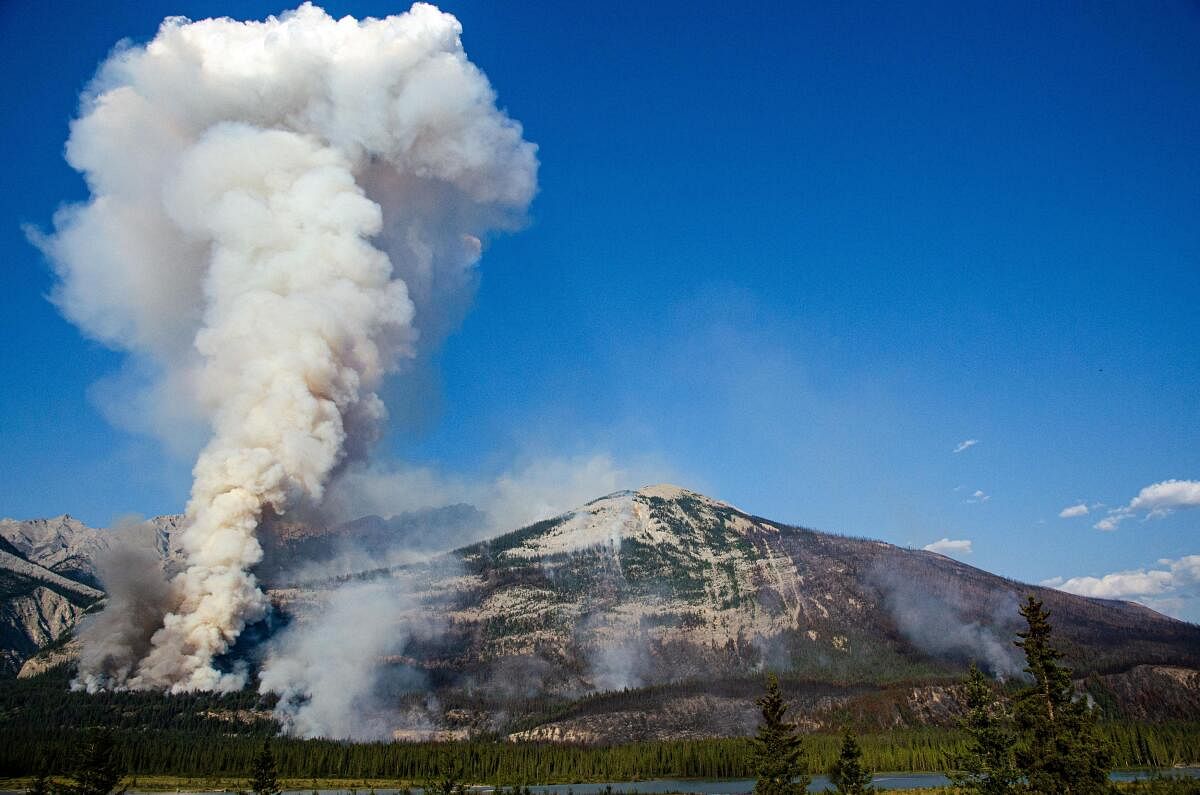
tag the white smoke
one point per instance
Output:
(278, 208)
(331, 675)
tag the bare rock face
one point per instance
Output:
(32, 620)
(1150, 692)
(46, 567)
(62, 544)
(48, 658)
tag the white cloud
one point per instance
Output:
(979, 496)
(947, 546)
(1155, 500)
(1072, 511)
(1166, 496)
(965, 444)
(1172, 587)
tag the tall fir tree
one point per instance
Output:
(98, 770)
(987, 767)
(777, 750)
(1060, 751)
(847, 774)
(265, 780)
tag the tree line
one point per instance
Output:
(1046, 740)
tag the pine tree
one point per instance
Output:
(847, 774)
(777, 751)
(97, 769)
(448, 783)
(1060, 751)
(265, 780)
(987, 767)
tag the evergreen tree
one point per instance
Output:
(987, 766)
(97, 769)
(1060, 750)
(847, 774)
(449, 782)
(265, 780)
(777, 755)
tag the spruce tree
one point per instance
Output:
(97, 769)
(449, 782)
(847, 774)
(777, 751)
(1060, 750)
(265, 780)
(987, 767)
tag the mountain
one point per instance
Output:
(664, 584)
(37, 604)
(49, 568)
(652, 614)
(63, 545)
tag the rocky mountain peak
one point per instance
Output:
(660, 515)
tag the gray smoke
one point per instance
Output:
(932, 618)
(138, 596)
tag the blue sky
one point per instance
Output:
(789, 255)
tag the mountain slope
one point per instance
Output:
(37, 606)
(690, 599)
(664, 585)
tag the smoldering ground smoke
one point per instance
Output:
(138, 595)
(278, 209)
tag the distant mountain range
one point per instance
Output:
(681, 597)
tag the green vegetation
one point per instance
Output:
(265, 780)
(97, 769)
(229, 759)
(987, 767)
(777, 752)
(847, 774)
(1059, 748)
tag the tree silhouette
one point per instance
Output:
(847, 774)
(778, 753)
(987, 767)
(265, 780)
(1059, 751)
(97, 769)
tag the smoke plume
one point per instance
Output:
(277, 210)
(138, 596)
(331, 675)
(931, 616)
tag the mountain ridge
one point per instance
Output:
(689, 599)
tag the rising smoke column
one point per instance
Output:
(277, 210)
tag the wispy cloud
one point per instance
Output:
(1072, 511)
(966, 444)
(979, 496)
(1173, 587)
(951, 547)
(1155, 500)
